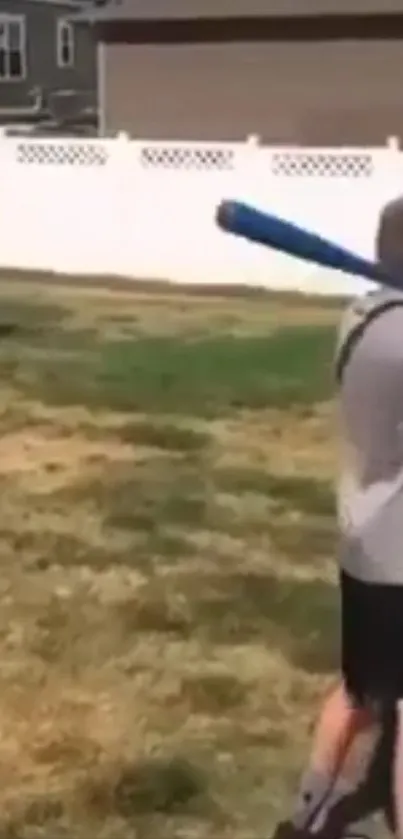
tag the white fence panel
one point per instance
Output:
(146, 210)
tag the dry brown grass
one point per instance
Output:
(167, 600)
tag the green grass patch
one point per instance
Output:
(204, 377)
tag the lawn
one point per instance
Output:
(168, 610)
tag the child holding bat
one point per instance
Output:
(370, 375)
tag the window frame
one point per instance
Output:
(7, 18)
(65, 25)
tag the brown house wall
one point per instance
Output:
(336, 92)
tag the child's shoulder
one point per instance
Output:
(357, 316)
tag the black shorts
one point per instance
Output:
(372, 641)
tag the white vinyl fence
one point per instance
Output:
(145, 210)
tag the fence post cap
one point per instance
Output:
(253, 140)
(393, 143)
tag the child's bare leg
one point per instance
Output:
(338, 724)
(398, 771)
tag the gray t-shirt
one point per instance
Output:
(371, 488)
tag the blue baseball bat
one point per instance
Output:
(274, 232)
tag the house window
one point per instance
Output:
(13, 57)
(65, 43)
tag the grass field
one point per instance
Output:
(168, 613)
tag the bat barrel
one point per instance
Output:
(252, 224)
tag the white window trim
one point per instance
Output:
(63, 24)
(21, 21)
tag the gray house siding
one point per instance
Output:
(41, 45)
(336, 92)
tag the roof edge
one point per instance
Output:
(175, 10)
